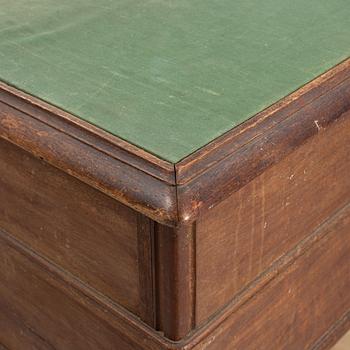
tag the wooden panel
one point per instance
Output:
(78, 228)
(301, 307)
(241, 237)
(18, 335)
(37, 314)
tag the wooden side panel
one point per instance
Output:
(145, 236)
(299, 309)
(238, 239)
(73, 225)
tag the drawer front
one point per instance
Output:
(81, 230)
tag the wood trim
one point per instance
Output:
(242, 236)
(167, 193)
(89, 162)
(87, 133)
(145, 237)
(175, 280)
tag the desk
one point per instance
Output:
(174, 174)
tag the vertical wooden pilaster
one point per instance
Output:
(145, 238)
(175, 280)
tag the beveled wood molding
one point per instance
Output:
(175, 277)
(107, 163)
(174, 194)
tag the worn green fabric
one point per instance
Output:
(169, 75)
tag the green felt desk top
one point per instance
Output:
(169, 75)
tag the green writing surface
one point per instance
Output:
(169, 75)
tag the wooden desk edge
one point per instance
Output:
(173, 194)
(107, 163)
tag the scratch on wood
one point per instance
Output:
(317, 125)
(252, 234)
(263, 222)
(237, 228)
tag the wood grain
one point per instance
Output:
(146, 269)
(70, 223)
(16, 334)
(35, 301)
(334, 333)
(289, 302)
(299, 306)
(243, 235)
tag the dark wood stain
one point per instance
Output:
(175, 280)
(53, 320)
(54, 303)
(70, 223)
(243, 235)
(146, 265)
